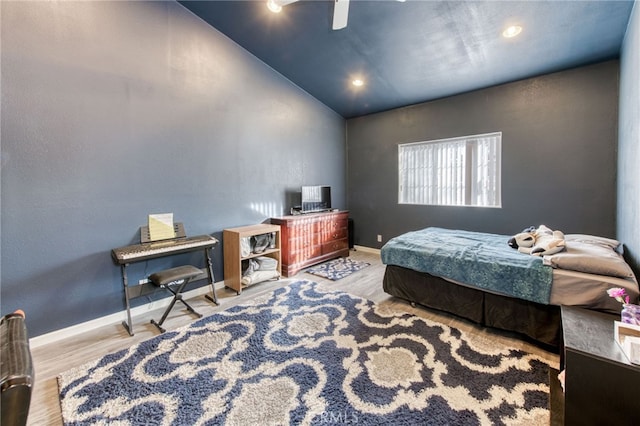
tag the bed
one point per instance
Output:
(477, 276)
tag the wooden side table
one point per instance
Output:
(233, 254)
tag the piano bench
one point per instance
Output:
(179, 276)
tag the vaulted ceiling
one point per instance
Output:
(415, 51)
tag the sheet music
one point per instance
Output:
(161, 226)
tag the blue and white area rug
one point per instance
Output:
(303, 356)
(337, 269)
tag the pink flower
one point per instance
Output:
(618, 294)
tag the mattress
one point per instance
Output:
(578, 276)
(484, 260)
(573, 288)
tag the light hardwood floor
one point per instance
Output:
(55, 358)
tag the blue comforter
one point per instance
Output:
(472, 258)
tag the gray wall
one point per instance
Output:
(115, 110)
(559, 134)
(629, 142)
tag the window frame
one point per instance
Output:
(466, 153)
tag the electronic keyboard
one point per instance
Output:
(143, 251)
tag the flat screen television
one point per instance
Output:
(316, 198)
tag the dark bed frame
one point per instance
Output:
(536, 321)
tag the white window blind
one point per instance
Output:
(463, 171)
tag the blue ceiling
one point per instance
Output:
(416, 51)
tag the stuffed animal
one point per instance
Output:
(539, 241)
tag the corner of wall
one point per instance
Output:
(628, 176)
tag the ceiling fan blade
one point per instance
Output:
(340, 14)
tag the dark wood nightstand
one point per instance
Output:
(601, 386)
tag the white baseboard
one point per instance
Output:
(116, 318)
(367, 249)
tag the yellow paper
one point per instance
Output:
(161, 226)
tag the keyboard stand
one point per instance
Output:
(182, 245)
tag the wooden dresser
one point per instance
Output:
(308, 239)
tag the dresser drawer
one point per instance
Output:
(333, 224)
(304, 253)
(334, 246)
(303, 242)
(333, 234)
(302, 228)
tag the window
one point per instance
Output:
(462, 171)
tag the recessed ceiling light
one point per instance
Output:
(358, 82)
(512, 31)
(273, 6)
